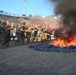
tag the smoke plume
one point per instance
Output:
(67, 9)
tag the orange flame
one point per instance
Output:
(62, 42)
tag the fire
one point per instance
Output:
(62, 42)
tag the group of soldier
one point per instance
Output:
(19, 34)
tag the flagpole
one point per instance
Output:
(25, 7)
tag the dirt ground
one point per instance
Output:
(21, 60)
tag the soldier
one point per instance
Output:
(22, 35)
(14, 33)
(45, 36)
(41, 35)
(28, 35)
(18, 34)
(7, 36)
(2, 32)
(35, 35)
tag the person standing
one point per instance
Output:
(35, 34)
(7, 36)
(28, 35)
(14, 33)
(22, 35)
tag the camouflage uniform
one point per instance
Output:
(7, 36)
(28, 35)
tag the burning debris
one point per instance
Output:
(52, 48)
(66, 35)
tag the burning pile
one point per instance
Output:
(66, 35)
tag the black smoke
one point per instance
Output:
(67, 9)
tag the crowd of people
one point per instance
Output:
(20, 33)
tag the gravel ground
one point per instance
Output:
(22, 60)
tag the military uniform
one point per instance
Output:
(7, 35)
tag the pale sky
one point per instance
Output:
(33, 7)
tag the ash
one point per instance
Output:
(52, 48)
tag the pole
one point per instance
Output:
(25, 7)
